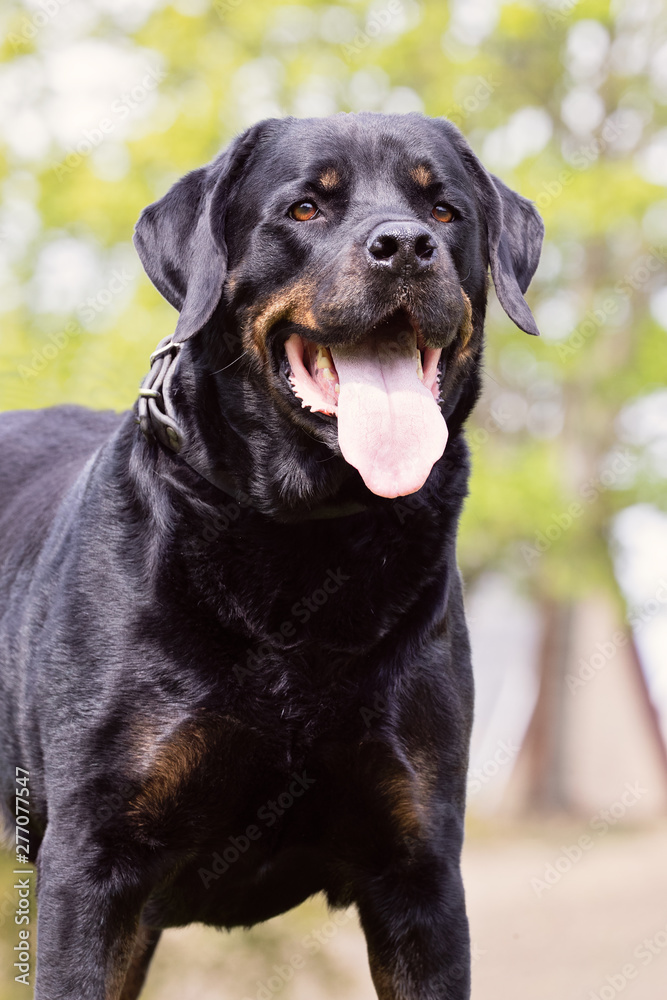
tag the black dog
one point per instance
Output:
(234, 662)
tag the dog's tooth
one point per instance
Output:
(420, 370)
(323, 359)
(337, 388)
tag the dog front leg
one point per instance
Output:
(416, 928)
(144, 946)
(87, 923)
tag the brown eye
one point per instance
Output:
(442, 213)
(304, 211)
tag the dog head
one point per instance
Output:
(336, 271)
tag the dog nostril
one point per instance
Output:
(425, 247)
(384, 247)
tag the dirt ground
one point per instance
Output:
(544, 926)
(574, 939)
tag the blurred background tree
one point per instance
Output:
(106, 103)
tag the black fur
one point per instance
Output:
(227, 706)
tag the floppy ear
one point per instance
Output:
(180, 238)
(514, 232)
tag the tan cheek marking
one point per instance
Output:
(466, 326)
(466, 329)
(422, 175)
(329, 179)
(293, 304)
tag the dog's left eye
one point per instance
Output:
(442, 213)
(304, 211)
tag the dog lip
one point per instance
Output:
(392, 323)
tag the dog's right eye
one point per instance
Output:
(443, 213)
(304, 211)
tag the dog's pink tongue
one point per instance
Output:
(390, 427)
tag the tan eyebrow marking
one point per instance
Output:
(422, 175)
(329, 178)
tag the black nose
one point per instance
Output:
(402, 248)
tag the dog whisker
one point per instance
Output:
(230, 364)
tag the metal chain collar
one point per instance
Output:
(157, 419)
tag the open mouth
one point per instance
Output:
(384, 392)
